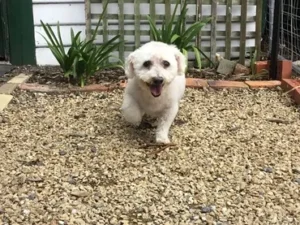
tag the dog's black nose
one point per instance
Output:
(158, 80)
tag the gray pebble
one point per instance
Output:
(31, 196)
(268, 170)
(62, 152)
(297, 180)
(206, 209)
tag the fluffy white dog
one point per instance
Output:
(156, 84)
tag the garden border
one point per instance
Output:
(292, 86)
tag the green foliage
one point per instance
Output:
(174, 32)
(84, 57)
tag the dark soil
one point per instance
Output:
(52, 75)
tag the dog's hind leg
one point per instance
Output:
(164, 124)
(131, 111)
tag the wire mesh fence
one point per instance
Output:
(289, 45)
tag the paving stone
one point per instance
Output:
(4, 101)
(21, 78)
(8, 88)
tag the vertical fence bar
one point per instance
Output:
(152, 13)
(88, 22)
(137, 20)
(243, 32)
(213, 38)
(275, 39)
(121, 29)
(198, 18)
(168, 10)
(105, 25)
(259, 9)
(228, 29)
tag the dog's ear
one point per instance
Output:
(129, 70)
(181, 62)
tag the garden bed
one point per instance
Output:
(71, 159)
(53, 76)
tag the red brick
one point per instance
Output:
(292, 87)
(261, 65)
(284, 69)
(35, 87)
(196, 83)
(94, 87)
(218, 84)
(263, 84)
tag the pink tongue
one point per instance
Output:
(156, 90)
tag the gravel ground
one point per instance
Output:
(71, 159)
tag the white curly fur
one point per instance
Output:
(138, 99)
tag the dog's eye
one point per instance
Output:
(166, 63)
(147, 64)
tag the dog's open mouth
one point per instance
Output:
(156, 89)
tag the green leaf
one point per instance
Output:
(174, 38)
(153, 29)
(198, 57)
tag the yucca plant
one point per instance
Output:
(174, 32)
(84, 57)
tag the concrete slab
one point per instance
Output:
(4, 101)
(7, 88)
(21, 78)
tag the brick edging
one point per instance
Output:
(291, 86)
(190, 83)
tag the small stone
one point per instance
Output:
(93, 149)
(71, 180)
(206, 209)
(241, 69)
(61, 222)
(26, 212)
(226, 67)
(80, 147)
(80, 193)
(122, 77)
(296, 171)
(268, 170)
(62, 152)
(297, 180)
(31, 196)
(113, 221)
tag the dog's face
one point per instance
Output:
(155, 65)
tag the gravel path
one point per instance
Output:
(71, 159)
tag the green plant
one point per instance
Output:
(174, 32)
(84, 57)
(252, 61)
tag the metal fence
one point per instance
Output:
(234, 32)
(289, 37)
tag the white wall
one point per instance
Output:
(71, 13)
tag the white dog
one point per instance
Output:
(156, 84)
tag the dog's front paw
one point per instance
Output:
(162, 139)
